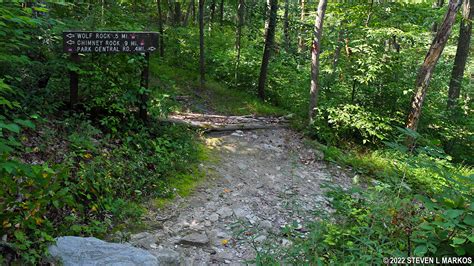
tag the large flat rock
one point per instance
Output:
(92, 251)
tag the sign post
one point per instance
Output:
(142, 111)
(73, 82)
(75, 42)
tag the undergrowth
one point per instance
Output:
(401, 204)
(216, 96)
(97, 182)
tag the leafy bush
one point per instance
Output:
(419, 204)
(31, 197)
(96, 187)
(80, 174)
(351, 122)
(367, 225)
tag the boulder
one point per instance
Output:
(71, 250)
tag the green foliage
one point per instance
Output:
(368, 225)
(86, 173)
(420, 204)
(217, 96)
(351, 121)
(448, 228)
(366, 93)
(95, 188)
(83, 174)
(31, 196)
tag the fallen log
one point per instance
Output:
(244, 118)
(226, 127)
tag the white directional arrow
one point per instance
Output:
(151, 49)
(70, 35)
(70, 42)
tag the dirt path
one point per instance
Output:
(262, 181)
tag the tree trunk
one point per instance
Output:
(238, 34)
(177, 13)
(188, 12)
(170, 14)
(201, 44)
(369, 16)
(213, 9)
(269, 41)
(300, 33)
(426, 70)
(193, 10)
(462, 53)
(286, 26)
(221, 12)
(315, 51)
(394, 44)
(337, 51)
(266, 20)
(160, 29)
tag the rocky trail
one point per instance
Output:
(262, 181)
(258, 182)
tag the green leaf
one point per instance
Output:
(469, 220)
(426, 227)
(20, 236)
(460, 251)
(8, 166)
(453, 213)
(40, 9)
(12, 127)
(458, 241)
(76, 228)
(5, 148)
(420, 250)
(25, 123)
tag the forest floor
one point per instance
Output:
(259, 185)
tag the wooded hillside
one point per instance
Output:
(382, 89)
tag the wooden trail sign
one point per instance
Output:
(109, 42)
(75, 42)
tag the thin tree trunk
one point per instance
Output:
(369, 16)
(269, 42)
(238, 34)
(188, 12)
(315, 51)
(462, 53)
(354, 89)
(426, 70)
(160, 29)
(395, 45)
(266, 20)
(171, 15)
(221, 12)
(286, 26)
(301, 33)
(177, 13)
(213, 9)
(193, 10)
(337, 52)
(201, 45)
